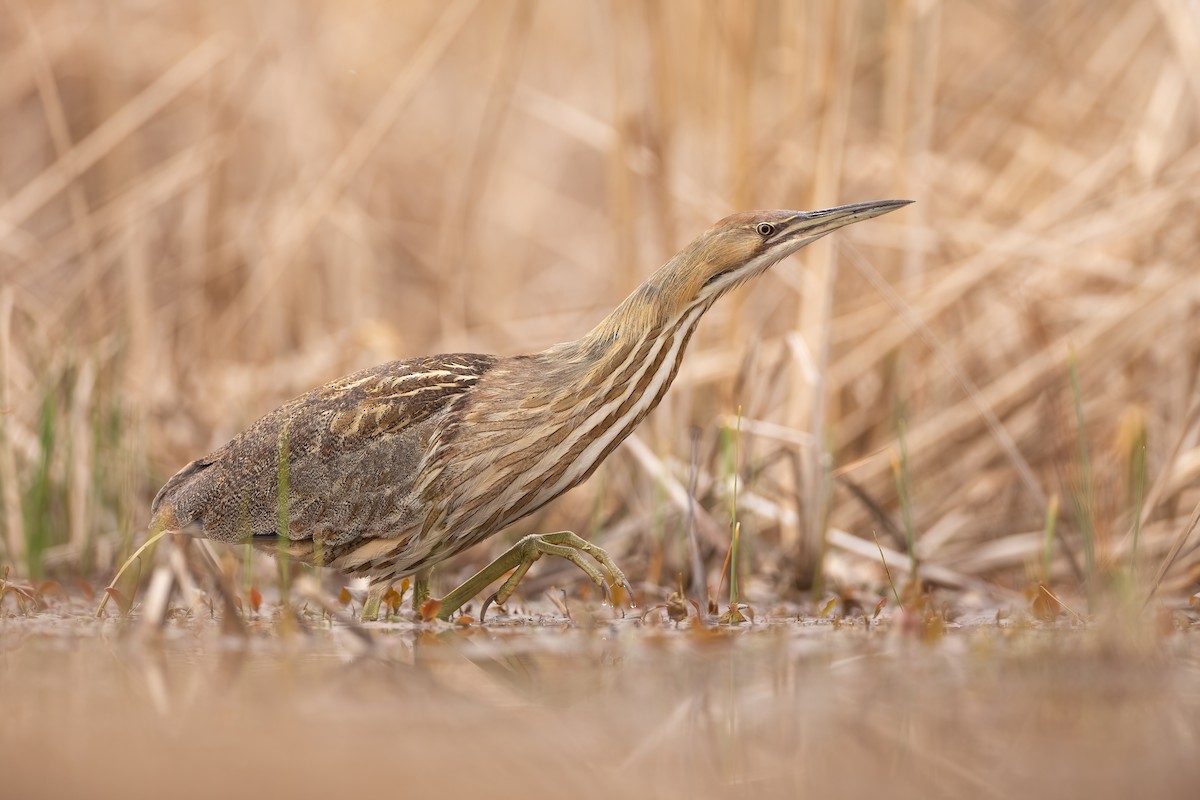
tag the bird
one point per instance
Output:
(388, 471)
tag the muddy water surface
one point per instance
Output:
(609, 708)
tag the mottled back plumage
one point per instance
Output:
(353, 450)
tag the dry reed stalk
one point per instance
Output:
(56, 122)
(1180, 539)
(156, 598)
(145, 195)
(295, 226)
(1003, 439)
(14, 525)
(79, 500)
(618, 153)
(460, 216)
(1113, 333)
(133, 115)
(1179, 21)
(711, 530)
(661, 144)
(817, 304)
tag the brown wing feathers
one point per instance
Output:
(349, 444)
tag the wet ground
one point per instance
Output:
(603, 707)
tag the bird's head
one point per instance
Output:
(729, 253)
(744, 245)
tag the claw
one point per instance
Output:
(608, 595)
(486, 603)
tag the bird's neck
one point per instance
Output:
(640, 330)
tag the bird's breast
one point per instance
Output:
(514, 457)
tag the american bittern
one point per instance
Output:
(388, 471)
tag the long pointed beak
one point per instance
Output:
(806, 226)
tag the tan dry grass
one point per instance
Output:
(207, 208)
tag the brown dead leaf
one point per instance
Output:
(882, 604)
(733, 616)
(430, 608)
(255, 599)
(1045, 605)
(123, 602)
(677, 607)
(393, 599)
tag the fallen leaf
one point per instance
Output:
(88, 592)
(430, 608)
(393, 599)
(882, 604)
(123, 602)
(677, 607)
(733, 616)
(1045, 605)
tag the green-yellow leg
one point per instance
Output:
(520, 558)
(376, 591)
(420, 590)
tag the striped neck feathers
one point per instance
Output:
(668, 298)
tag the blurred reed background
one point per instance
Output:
(207, 208)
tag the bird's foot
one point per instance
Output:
(521, 556)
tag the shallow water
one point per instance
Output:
(608, 708)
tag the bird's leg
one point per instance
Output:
(520, 558)
(375, 593)
(420, 589)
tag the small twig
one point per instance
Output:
(558, 597)
(232, 621)
(158, 597)
(1180, 540)
(177, 558)
(887, 571)
(1042, 588)
(877, 510)
(699, 581)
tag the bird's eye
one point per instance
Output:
(764, 228)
